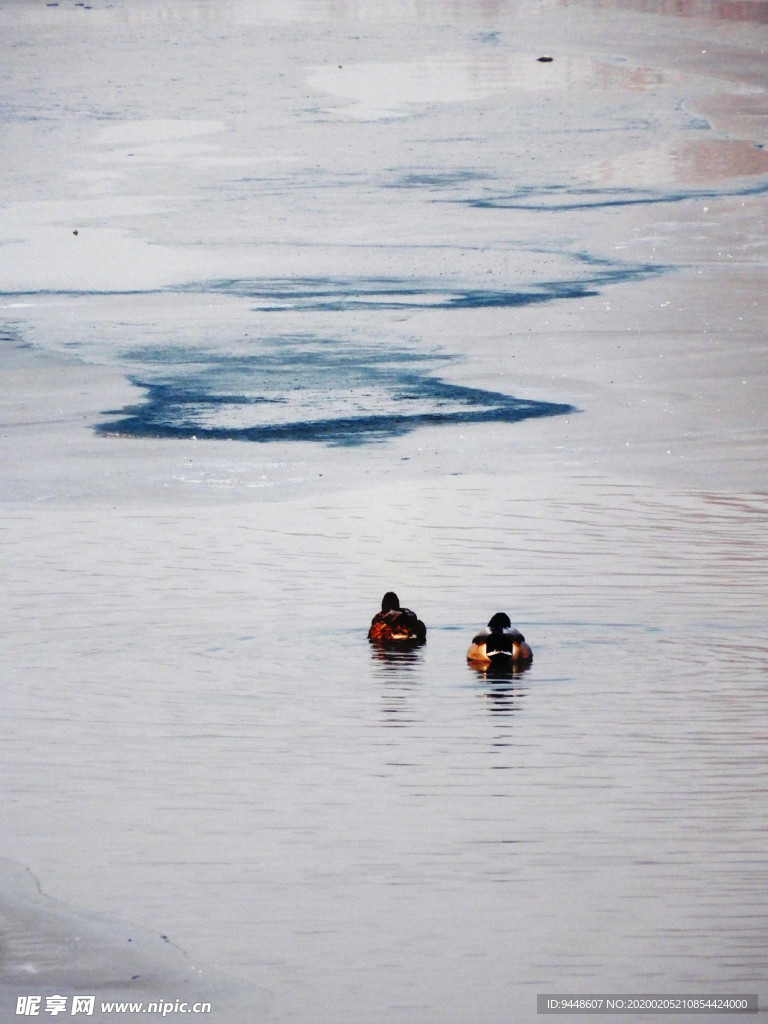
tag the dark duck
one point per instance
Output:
(396, 625)
(499, 644)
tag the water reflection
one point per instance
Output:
(498, 673)
(396, 658)
(504, 700)
(394, 669)
(503, 691)
(396, 708)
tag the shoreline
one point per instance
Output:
(47, 949)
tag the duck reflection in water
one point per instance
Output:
(503, 692)
(392, 658)
(397, 670)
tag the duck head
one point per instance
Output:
(499, 621)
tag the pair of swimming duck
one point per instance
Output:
(498, 643)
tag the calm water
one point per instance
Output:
(401, 837)
(303, 234)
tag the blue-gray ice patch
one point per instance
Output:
(561, 198)
(305, 389)
(336, 295)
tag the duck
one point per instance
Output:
(397, 625)
(499, 644)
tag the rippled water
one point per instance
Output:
(389, 836)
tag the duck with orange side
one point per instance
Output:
(395, 625)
